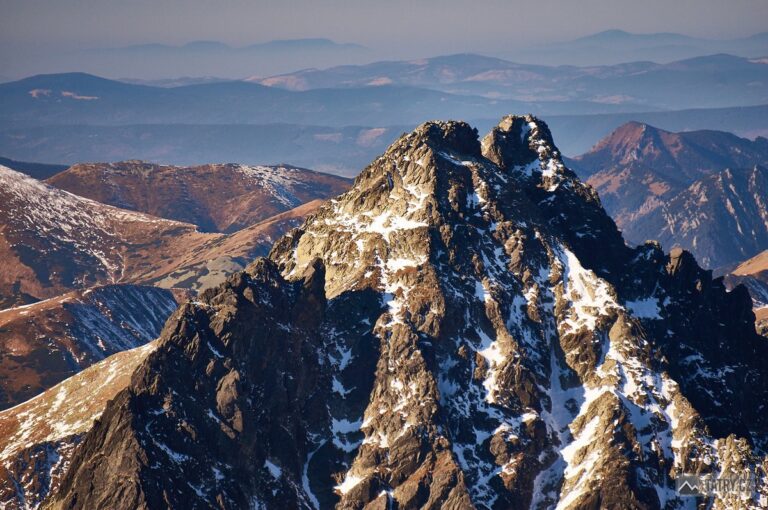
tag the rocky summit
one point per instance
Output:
(464, 328)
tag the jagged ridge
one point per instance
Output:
(464, 327)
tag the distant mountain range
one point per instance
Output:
(390, 93)
(700, 190)
(207, 58)
(157, 61)
(280, 45)
(693, 83)
(617, 46)
(181, 81)
(317, 147)
(72, 118)
(78, 98)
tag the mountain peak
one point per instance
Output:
(518, 140)
(439, 176)
(453, 136)
(463, 327)
(639, 169)
(628, 137)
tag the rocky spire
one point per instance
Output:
(463, 327)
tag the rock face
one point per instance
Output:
(464, 327)
(37, 438)
(753, 274)
(46, 342)
(216, 198)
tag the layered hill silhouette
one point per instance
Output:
(687, 83)
(308, 117)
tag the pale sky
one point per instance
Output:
(384, 25)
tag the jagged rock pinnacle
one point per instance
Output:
(463, 328)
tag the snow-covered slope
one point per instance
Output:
(37, 438)
(216, 198)
(52, 241)
(46, 342)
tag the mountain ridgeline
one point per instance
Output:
(54, 241)
(465, 327)
(217, 198)
(700, 190)
(46, 342)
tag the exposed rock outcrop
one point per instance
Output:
(463, 328)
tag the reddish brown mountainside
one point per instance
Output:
(52, 241)
(216, 198)
(46, 342)
(638, 165)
